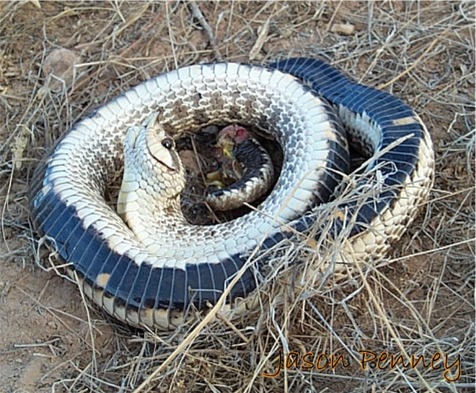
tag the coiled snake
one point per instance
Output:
(149, 275)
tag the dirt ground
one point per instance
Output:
(419, 302)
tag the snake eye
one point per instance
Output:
(168, 143)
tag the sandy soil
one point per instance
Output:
(420, 301)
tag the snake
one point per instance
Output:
(145, 264)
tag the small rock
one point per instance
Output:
(59, 69)
(346, 29)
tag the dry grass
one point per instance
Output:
(418, 301)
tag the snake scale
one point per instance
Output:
(307, 105)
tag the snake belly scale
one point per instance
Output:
(300, 102)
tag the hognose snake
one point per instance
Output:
(150, 275)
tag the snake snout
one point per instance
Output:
(152, 166)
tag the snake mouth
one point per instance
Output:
(172, 166)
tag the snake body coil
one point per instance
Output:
(152, 285)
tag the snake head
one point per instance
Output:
(151, 139)
(150, 157)
(160, 145)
